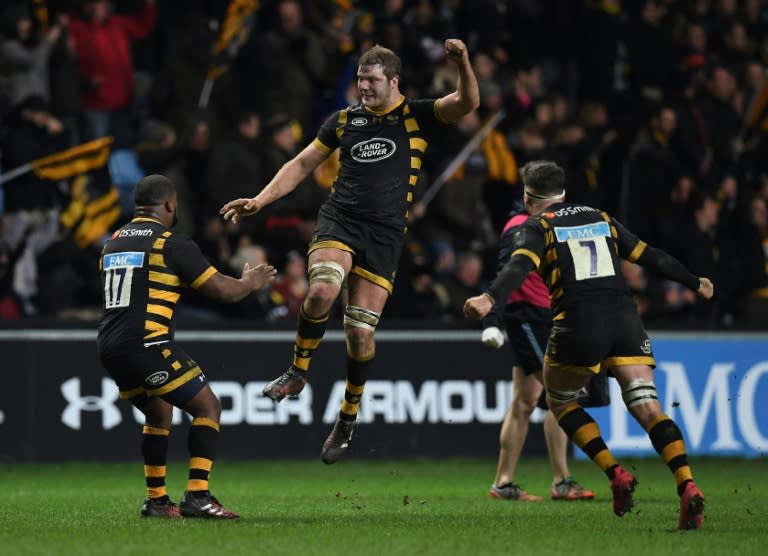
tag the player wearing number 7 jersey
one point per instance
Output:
(577, 250)
(145, 267)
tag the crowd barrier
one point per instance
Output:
(433, 393)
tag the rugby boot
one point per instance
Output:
(203, 504)
(622, 486)
(691, 507)
(290, 383)
(337, 443)
(160, 507)
(569, 489)
(511, 491)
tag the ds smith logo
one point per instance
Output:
(373, 150)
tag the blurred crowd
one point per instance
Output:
(655, 108)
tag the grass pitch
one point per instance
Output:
(373, 507)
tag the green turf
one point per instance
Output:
(372, 507)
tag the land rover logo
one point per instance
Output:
(359, 121)
(373, 150)
(155, 379)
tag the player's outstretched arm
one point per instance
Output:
(466, 98)
(636, 251)
(286, 180)
(669, 267)
(226, 289)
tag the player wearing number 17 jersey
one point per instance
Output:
(145, 267)
(577, 250)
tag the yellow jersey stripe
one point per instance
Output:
(527, 253)
(322, 146)
(418, 144)
(164, 295)
(156, 259)
(204, 277)
(637, 251)
(164, 278)
(161, 310)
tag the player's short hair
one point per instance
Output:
(153, 190)
(387, 59)
(543, 178)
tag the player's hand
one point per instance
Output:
(233, 210)
(706, 288)
(456, 50)
(477, 307)
(258, 276)
(492, 337)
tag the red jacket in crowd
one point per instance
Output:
(104, 53)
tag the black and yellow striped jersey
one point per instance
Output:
(144, 268)
(577, 250)
(380, 158)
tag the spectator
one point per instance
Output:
(755, 265)
(289, 288)
(653, 172)
(466, 279)
(296, 66)
(290, 220)
(32, 203)
(25, 56)
(103, 46)
(66, 102)
(699, 244)
(236, 165)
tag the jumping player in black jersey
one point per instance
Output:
(362, 224)
(577, 249)
(144, 268)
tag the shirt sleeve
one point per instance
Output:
(525, 256)
(184, 258)
(327, 139)
(630, 246)
(427, 113)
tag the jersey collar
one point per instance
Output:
(146, 219)
(389, 108)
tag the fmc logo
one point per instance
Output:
(373, 150)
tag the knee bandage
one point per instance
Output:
(326, 271)
(360, 317)
(638, 392)
(563, 396)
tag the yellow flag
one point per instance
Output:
(74, 161)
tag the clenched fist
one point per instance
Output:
(456, 50)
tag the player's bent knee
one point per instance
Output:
(327, 272)
(522, 408)
(361, 318)
(639, 391)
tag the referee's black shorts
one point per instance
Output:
(528, 329)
